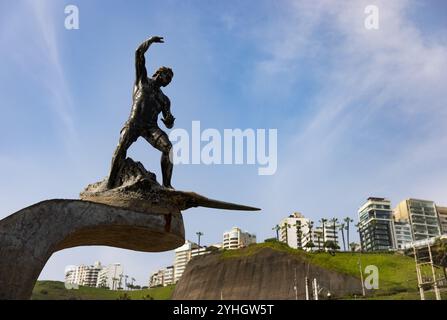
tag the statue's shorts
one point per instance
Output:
(153, 134)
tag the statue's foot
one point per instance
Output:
(168, 186)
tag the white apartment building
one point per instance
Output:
(91, 274)
(156, 279)
(236, 238)
(329, 234)
(182, 256)
(292, 230)
(315, 234)
(306, 230)
(77, 275)
(83, 275)
(205, 250)
(318, 237)
(200, 251)
(168, 276)
(111, 276)
(163, 277)
(69, 274)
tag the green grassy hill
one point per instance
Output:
(55, 290)
(397, 275)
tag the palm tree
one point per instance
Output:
(114, 280)
(285, 226)
(318, 234)
(334, 225)
(120, 282)
(126, 284)
(276, 228)
(323, 223)
(342, 229)
(310, 244)
(332, 246)
(360, 235)
(299, 233)
(133, 280)
(199, 234)
(347, 220)
(103, 283)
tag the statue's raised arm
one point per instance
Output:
(140, 61)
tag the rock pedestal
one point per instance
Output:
(138, 189)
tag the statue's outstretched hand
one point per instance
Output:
(169, 121)
(157, 39)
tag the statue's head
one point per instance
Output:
(163, 76)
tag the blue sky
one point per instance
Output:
(358, 112)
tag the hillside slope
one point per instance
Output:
(55, 290)
(267, 271)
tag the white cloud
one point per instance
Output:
(30, 39)
(379, 113)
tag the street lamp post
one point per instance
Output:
(199, 234)
(361, 277)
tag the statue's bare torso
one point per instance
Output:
(148, 102)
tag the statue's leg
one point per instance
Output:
(127, 137)
(159, 140)
(166, 168)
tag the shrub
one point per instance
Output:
(124, 296)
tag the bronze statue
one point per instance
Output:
(148, 102)
(129, 185)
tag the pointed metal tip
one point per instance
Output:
(211, 203)
(192, 199)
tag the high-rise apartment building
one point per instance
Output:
(376, 225)
(422, 217)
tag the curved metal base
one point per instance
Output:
(30, 236)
